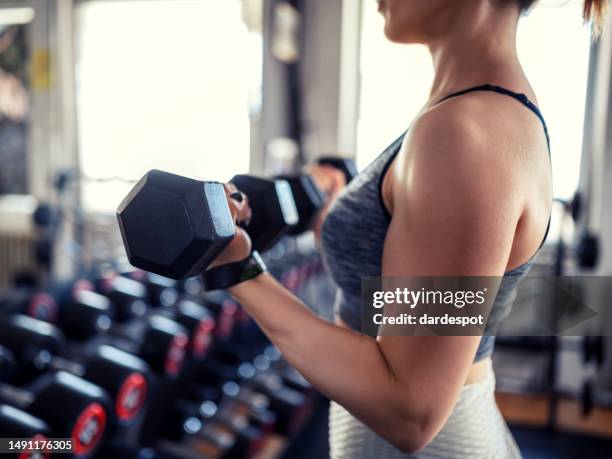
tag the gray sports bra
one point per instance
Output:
(355, 228)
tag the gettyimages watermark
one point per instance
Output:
(479, 305)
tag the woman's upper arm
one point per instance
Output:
(448, 220)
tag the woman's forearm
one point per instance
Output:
(347, 367)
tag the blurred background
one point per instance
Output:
(94, 93)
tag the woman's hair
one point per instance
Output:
(593, 11)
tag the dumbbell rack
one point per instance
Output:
(591, 349)
(240, 346)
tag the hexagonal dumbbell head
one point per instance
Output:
(174, 226)
(273, 206)
(309, 200)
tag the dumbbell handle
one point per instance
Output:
(45, 361)
(17, 397)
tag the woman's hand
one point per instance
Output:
(329, 180)
(240, 247)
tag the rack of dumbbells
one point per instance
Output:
(127, 363)
(582, 257)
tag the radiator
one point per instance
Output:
(16, 237)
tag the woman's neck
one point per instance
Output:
(478, 46)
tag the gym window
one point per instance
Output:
(554, 47)
(164, 84)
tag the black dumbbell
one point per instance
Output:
(224, 310)
(73, 307)
(122, 375)
(25, 337)
(273, 209)
(199, 323)
(83, 312)
(248, 436)
(34, 303)
(7, 364)
(239, 399)
(159, 341)
(128, 297)
(15, 423)
(188, 421)
(286, 403)
(346, 165)
(161, 291)
(73, 408)
(174, 226)
(309, 200)
(18, 423)
(197, 319)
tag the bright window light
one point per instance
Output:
(553, 46)
(162, 84)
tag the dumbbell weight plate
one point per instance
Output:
(273, 206)
(174, 226)
(42, 337)
(7, 364)
(74, 408)
(165, 346)
(308, 200)
(122, 375)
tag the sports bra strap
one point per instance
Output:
(522, 98)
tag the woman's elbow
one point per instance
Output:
(411, 437)
(410, 445)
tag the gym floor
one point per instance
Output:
(526, 415)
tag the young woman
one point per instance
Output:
(465, 191)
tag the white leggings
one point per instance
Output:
(474, 430)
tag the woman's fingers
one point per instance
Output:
(238, 203)
(237, 250)
(240, 246)
(329, 179)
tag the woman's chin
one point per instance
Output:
(398, 36)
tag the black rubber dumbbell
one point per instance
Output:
(224, 310)
(346, 165)
(174, 226)
(8, 366)
(72, 306)
(239, 399)
(25, 337)
(287, 404)
(188, 421)
(15, 423)
(72, 407)
(309, 200)
(34, 303)
(129, 298)
(273, 209)
(248, 436)
(40, 345)
(199, 323)
(83, 312)
(161, 291)
(159, 341)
